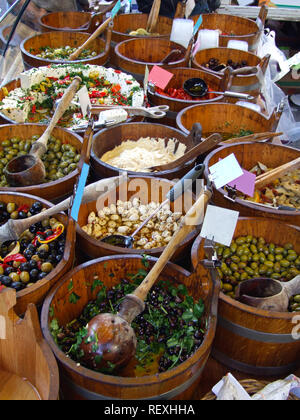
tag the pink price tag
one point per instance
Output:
(160, 77)
(245, 183)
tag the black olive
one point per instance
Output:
(34, 274)
(42, 275)
(42, 254)
(36, 207)
(32, 264)
(2, 206)
(58, 258)
(25, 266)
(33, 229)
(61, 250)
(5, 280)
(48, 233)
(22, 215)
(17, 285)
(28, 254)
(31, 248)
(8, 270)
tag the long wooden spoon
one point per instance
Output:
(29, 169)
(153, 16)
(267, 177)
(252, 137)
(110, 339)
(12, 230)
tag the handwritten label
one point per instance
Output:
(225, 171)
(245, 183)
(219, 224)
(80, 191)
(160, 77)
(84, 100)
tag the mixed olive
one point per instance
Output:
(251, 257)
(62, 53)
(168, 332)
(216, 65)
(37, 252)
(59, 160)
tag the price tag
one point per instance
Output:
(219, 224)
(225, 171)
(80, 191)
(245, 183)
(116, 9)
(84, 100)
(190, 6)
(160, 77)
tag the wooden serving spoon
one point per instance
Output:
(268, 294)
(153, 16)
(29, 169)
(266, 178)
(12, 229)
(253, 137)
(111, 338)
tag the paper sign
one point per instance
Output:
(225, 171)
(160, 77)
(245, 183)
(190, 6)
(116, 9)
(198, 24)
(84, 100)
(219, 224)
(80, 191)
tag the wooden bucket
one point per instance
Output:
(133, 55)
(111, 137)
(235, 27)
(225, 119)
(53, 190)
(251, 340)
(148, 189)
(182, 74)
(31, 46)
(37, 292)
(78, 382)
(248, 154)
(240, 83)
(28, 370)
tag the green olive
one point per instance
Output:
(47, 267)
(24, 277)
(15, 277)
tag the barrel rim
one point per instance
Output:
(55, 28)
(245, 203)
(115, 380)
(123, 34)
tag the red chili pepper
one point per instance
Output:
(53, 78)
(15, 257)
(24, 208)
(36, 238)
(118, 71)
(33, 109)
(56, 233)
(129, 82)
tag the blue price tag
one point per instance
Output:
(198, 24)
(116, 9)
(79, 192)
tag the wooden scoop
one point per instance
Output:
(266, 178)
(253, 137)
(111, 337)
(153, 16)
(29, 169)
(268, 294)
(203, 147)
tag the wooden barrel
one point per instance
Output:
(133, 55)
(111, 137)
(53, 190)
(251, 340)
(36, 377)
(251, 83)
(31, 46)
(147, 189)
(127, 22)
(78, 382)
(181, 74)
(248, 154)
(235, 27)
(225, 119)
(37, 292)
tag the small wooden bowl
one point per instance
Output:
(181, 74)
(225, 118)
(28, 370)
(244, 29)
(37, 292)
(133, 55)
(78, 382)
(53, 190)
(109, 138)
(147, 189)
(251, 340)
(248, 154)
(32, 45)
(240, 83)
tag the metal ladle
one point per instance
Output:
(29, 169)
(268, 294)
(197, 87)
(178, 189)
